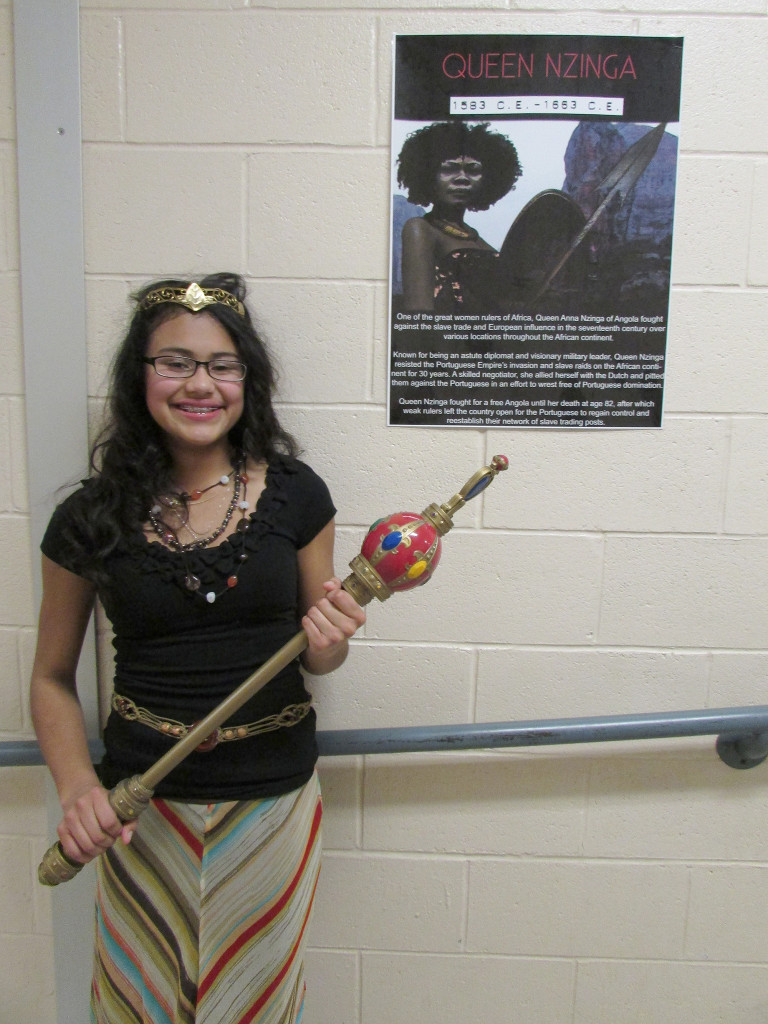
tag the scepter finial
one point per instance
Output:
(403, 550)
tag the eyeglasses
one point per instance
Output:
(185, 366)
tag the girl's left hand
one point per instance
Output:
(333, 619)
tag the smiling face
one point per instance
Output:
(194, 412)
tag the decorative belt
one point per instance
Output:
(291, 714)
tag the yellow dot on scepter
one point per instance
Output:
(416, 569)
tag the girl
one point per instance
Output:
(209, 545)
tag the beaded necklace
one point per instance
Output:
(464, 231)
(193, 497)
(169, 536)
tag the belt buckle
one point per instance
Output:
(210, 741)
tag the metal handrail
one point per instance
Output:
(742, 735)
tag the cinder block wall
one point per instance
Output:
(607, 572)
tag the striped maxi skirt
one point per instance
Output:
(202, 918)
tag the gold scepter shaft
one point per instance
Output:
(399, 553)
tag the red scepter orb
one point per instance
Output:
(398, 553)
(403, 550)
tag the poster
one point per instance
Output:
(533, 188)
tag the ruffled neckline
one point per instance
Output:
(213, 564)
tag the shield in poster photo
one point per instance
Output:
(540, 236)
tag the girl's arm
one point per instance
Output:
(330, 614)
(89, 824)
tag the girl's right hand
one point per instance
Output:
(90, 825)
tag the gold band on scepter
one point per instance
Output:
(399, 552)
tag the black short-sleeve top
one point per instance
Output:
(178, 656)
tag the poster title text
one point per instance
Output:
(553, 65)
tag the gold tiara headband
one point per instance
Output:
(194, 297)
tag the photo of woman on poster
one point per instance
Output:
(452, 167)
(533, 252)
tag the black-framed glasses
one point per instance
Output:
(221, 368)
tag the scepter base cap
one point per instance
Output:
(56, 867)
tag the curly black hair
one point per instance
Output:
(425, 150)
(130, 463)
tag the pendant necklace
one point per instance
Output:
(168, 535)
(184, 515)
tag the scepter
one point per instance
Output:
(399, 552)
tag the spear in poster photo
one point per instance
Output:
(399, 552)
(618, 182)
